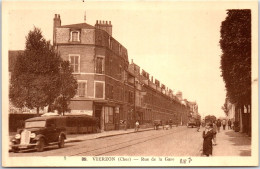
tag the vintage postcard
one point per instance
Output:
(129, 83)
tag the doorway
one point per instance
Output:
(98, 111)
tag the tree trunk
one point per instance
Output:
(249, 120)
(38, 111)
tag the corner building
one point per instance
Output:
(99, 64)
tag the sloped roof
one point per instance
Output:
(45, 118)
(79, 25)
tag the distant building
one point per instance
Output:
(231, 111)
(154, 101)
(179, 95)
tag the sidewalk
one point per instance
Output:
(230, 143)
(82, 137)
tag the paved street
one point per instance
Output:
(178, 141)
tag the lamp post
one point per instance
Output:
(62, 95)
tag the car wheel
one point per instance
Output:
(40, 145)
(61, 142)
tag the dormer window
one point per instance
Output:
(74, 36)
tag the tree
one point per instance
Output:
(68, 88)
(35, 79)
(225, 107)
(210, 118)
(236, 58)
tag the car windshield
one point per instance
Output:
(35, 124)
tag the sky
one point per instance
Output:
(175, 42)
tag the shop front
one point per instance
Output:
(140, 114)
(107, 116)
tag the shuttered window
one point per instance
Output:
(74, 63)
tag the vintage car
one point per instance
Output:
(156, 124)
(40, 132)
(191, 123)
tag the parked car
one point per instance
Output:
(191, 123)
(156, 124)
(40, 132)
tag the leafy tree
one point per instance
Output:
(225, 107)
(68, 88)
(210, 118)
(236, 58)
(35, 79)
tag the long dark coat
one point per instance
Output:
(207, 143)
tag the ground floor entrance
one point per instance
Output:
(108, 116)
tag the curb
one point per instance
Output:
(111, 135)
(123, 133)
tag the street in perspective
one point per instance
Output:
(178, 141)
(163, 82)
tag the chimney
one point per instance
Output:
(104, 25)
(56, 23)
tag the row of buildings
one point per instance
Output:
(240, 114)
(109, 87)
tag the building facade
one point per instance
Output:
(154, 101)
(99, 64)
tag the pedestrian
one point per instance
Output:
(218, 125)
(224, 124)
(170, 123)
(198, 126)
(229, 124)
(137, 125)
(207, 140)
(125, 124)
(215, 128)
(203, 123)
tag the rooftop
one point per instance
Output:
(79, 25)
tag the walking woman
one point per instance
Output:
(207, 142)
(198, 126)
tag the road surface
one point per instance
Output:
(178, 141)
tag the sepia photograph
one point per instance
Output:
(129, 83)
